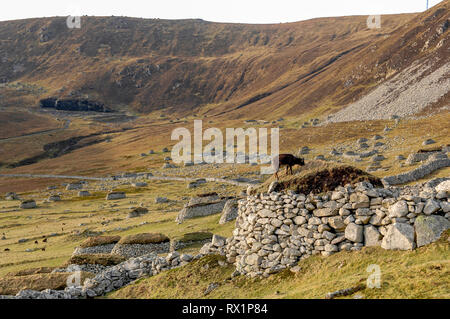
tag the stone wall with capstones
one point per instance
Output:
(276, 230)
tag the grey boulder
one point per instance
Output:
(399, 236)
(430, 228)
(229, 212)
(354, 232)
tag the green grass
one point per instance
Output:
(422, 273)
(195, 236)
(67, 216)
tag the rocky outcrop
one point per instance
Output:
(82, 105)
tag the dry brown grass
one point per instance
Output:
(57, 281)
(146, 238)
(252, 59)
(17, 123)
(317, 177)
(99, 240)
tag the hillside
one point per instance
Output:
(179, 65)
(147, 65)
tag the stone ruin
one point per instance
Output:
(202, 205)
(190, 239)
(97, 245)
(434, 162)
(28, 204)
(141, 244)
(74, 186)
(423, 155)
(113, 269)
(274, 230)
(115, 195)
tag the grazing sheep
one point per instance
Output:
(289, 160)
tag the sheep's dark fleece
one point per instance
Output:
(289, 160)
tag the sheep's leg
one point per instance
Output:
(276, 173)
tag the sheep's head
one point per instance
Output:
(300, 161)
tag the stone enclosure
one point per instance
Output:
(202, 205)
(276, 230)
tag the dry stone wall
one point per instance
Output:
(433, 163)
(99, 249)
(276, 230)
(136, 250)
(111, 278)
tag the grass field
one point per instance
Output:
(72, 218)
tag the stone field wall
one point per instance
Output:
(432, 164)
(276, 230)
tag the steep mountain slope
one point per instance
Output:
(413, 67)
(178, 65)
(421, 41)
(319, 65)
